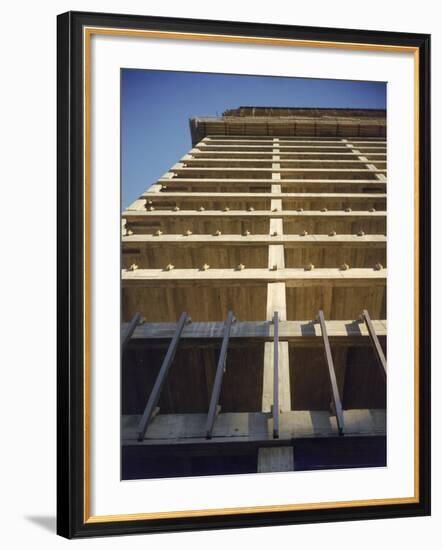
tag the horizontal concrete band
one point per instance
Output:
(213, 139)
(204, 153)
(293, 277)
(208, 160)
(290, 145)
(195, 214)
(293, 331)
(256, 181)
(188, 428)
(184, 169)
(280, 140)
(364, 241)
(317, 151)
(298, 196)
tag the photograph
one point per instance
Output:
(253, 274)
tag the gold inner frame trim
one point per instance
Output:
(87, 34)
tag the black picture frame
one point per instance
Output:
(71, 498)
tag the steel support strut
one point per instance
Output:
(375, 344)
(332, 375)
(161, 378)
(220, 369)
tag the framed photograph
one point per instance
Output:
(230, 198)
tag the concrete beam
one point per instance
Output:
(246, 161)
(189, 428)
(298, 144)
(169, 182)
(347, 332)
(283, 140)
(195, 214)
(273, 193)
(177, 169)
(292, 277)
(365, 241)
(197, 154)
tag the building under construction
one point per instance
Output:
(254, 299)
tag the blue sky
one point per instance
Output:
(156, 107)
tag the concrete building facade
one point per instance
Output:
(254, 298)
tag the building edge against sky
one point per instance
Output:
(156, 107)
(277, 215)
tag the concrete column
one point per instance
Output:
(276, 459)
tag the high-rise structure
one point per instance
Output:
(254, 298)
